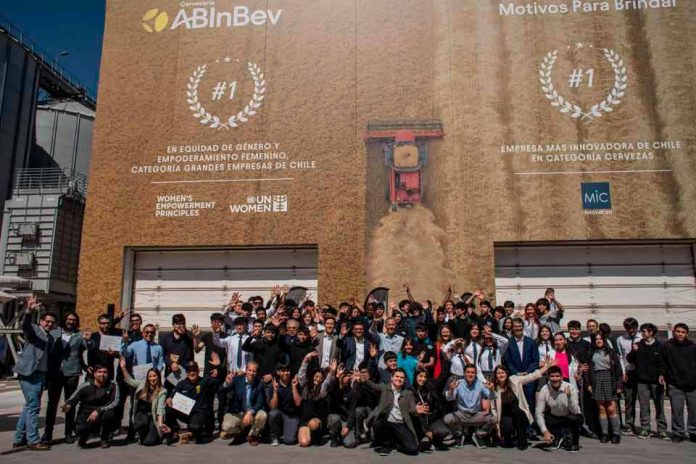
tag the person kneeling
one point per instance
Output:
(244, 406)
(557, 409)
(150, 396)
(98, 400)
(393, 426)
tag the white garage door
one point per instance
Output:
(199, 282)
(653, 283)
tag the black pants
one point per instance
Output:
(513, 422)
(392, 435)
(438, 428)
(56, 386)
(103, 425)
(556, 424)
(590, 412)
(146, 428)
(199, 422)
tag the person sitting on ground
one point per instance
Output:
(150, 395)
(97, 400)
(430, 424)
(310, 391)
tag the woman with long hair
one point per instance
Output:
(544, 342)
(606, 382)
(510, 405)
(531, 321)
(429, 425)
(441, 367)
(491, 355)
(506, 330)
(148, 417)
(311, 394)
(407, 359)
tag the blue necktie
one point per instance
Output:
(148, 354)
(239, 352)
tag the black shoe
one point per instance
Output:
(383, 451)
(21, 444)
(334, 443)
(82, 443)
(604, 439)
(105, 444)
(522, 446)
(46, 439)
(574, 449)
(677, 439)
(441, 447)
(616, 439)
(692, 438)
(69, 439)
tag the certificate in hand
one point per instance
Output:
(110, 342)
(182, 403)
(140, 371)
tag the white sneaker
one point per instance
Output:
(478, 441)
(275, 442)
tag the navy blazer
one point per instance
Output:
(348, 351)
(237, 392)
(530, 359)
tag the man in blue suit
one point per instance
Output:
(522, 357)
(244, 405)
(355, 349)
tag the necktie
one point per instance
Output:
(239, 352)
(475, 353)
(148, 354)
(248, 396)
(490, 359)
(547, 348)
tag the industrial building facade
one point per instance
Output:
(243, 144)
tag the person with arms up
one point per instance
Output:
(31, 369)
(310, 390)
(97, 400)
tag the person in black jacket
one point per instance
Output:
(581, 350)
(645, 356)
(429, 424)
(202, 390)
(311, 391)
(266, 350)
(337, 420)
(283, 415)
(297, 349)
(678, 370)
(177, 347)
(98, 400)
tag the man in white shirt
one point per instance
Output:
(237, 358)
(557, 408)
(388, 341)
(327, 342)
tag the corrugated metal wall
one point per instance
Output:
(64, 133)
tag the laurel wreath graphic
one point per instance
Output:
(573, 110)
(213, 121)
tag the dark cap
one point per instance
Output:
(191, 366)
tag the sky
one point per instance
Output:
(74, 26)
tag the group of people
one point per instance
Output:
(412, 376)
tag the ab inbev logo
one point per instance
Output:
(596, 197)
(262, 204)
(156, 20)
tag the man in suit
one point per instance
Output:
(522, 357)
(327, 343)
(244, 406)
(356, 348)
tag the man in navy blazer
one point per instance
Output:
(523, 362)
(245, 403)
(356, 348)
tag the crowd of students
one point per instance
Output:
(412, 377)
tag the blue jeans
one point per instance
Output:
(28, 423)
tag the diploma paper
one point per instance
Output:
(112, 342)
(140, 371)
(182, 403)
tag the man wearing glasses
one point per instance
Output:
(32, 366)
(177, 346)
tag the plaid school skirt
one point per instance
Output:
(601, 388)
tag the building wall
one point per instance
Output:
(18, 90)
(329, 68)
